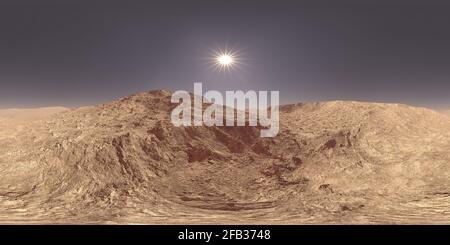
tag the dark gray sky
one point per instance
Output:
(72, 53)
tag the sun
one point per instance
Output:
(225, 60)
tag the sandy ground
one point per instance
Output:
(29, 114)
(123, 162)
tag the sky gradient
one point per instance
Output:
(72, 53)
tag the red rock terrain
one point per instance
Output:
(124, 162)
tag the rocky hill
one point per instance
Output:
(124, 162)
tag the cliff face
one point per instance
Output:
(124, 162)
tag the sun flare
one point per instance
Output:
(226, 59)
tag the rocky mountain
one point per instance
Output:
(124, 162)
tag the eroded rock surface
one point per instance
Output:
(124, 162)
